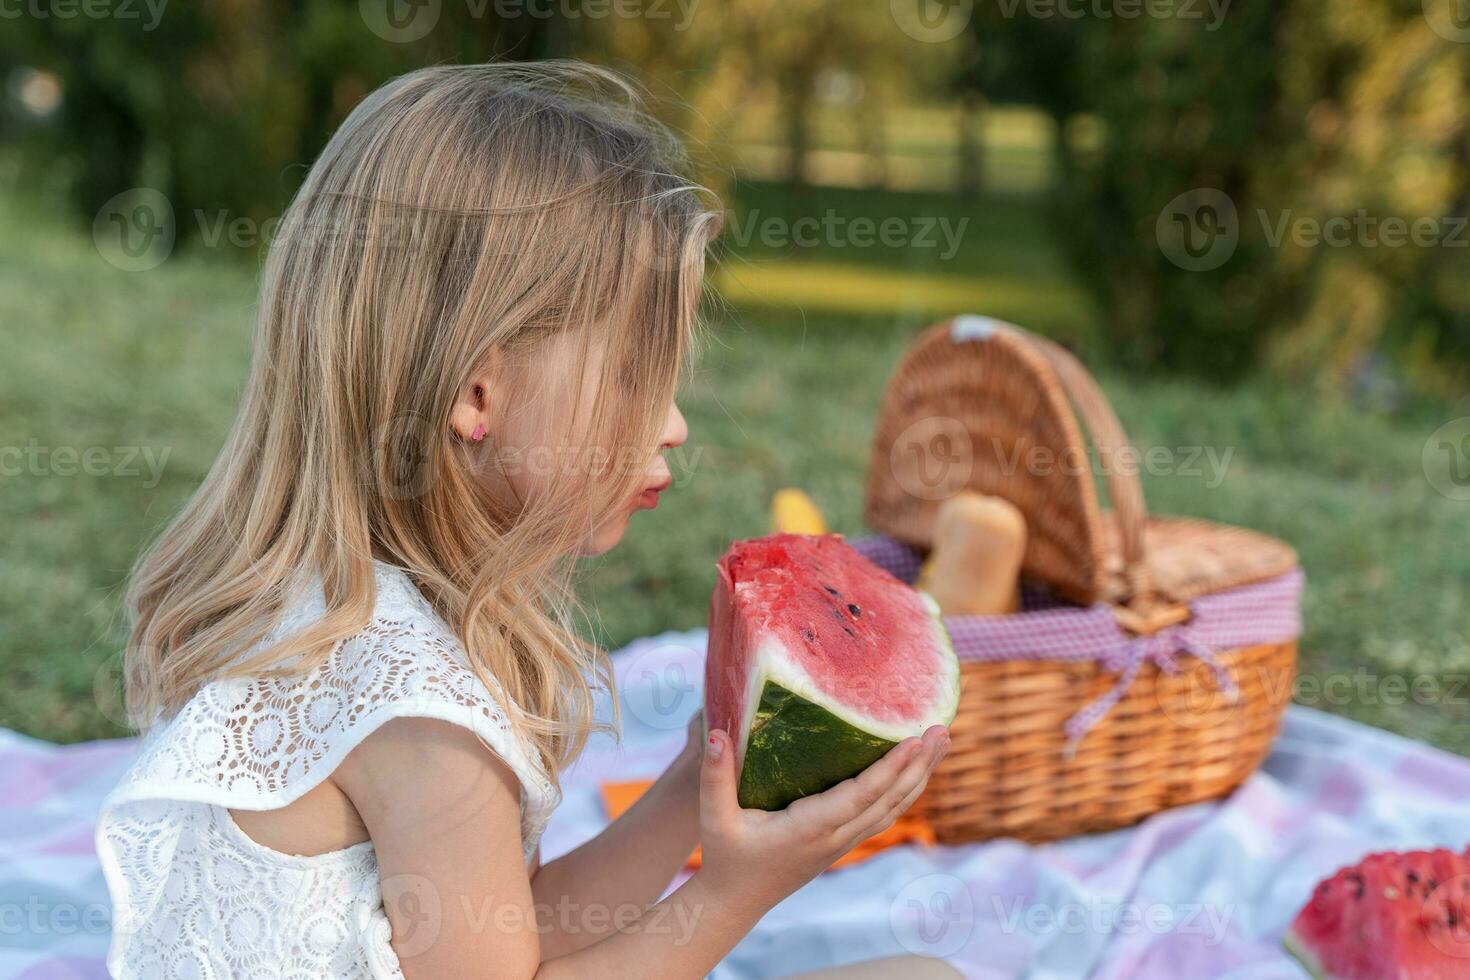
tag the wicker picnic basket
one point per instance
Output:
(979, 404)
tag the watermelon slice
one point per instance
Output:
(1390, 917)
(819, 663)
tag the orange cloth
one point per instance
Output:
(908, 829)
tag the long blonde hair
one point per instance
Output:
(460, 213)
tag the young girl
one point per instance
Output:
(353, 646)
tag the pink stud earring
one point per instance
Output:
(478, 434)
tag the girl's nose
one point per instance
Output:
(676, 430)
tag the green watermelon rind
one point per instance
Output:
(795, 747)
(1303, 956)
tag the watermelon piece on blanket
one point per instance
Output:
(1390, 917)
(819, 662)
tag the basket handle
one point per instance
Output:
(1124, 488)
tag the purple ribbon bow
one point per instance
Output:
(1161, 649)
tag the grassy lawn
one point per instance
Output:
(785, 394)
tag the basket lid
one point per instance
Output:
(984, 405)
(1188, 558)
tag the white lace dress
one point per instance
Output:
(193, 896)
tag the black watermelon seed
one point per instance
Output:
(852, 607)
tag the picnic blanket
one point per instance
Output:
(1201, 891)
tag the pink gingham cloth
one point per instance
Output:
(1202, 891)
(1263, 612)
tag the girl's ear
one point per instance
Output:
(473, 408)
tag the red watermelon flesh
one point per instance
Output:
(819, 662)
(1392, 916)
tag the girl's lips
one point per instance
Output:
(648, 499)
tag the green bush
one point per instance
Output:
(1295, 113)
(220, 107)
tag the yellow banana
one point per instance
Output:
(793, 512)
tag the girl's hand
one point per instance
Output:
(757, 857)
(694, 737)
(683, 772)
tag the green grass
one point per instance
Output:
(919, 145)
(785, 395)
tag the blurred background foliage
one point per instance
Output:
(1301, 110)
(1051, 137)
(1304, 110)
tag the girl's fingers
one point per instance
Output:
(850, 798)
(891, 817)
(912, 798)
(717, 798)
(862, 824)
(886, 819)
(904, 789)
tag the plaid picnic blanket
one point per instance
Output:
(1201, 891)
